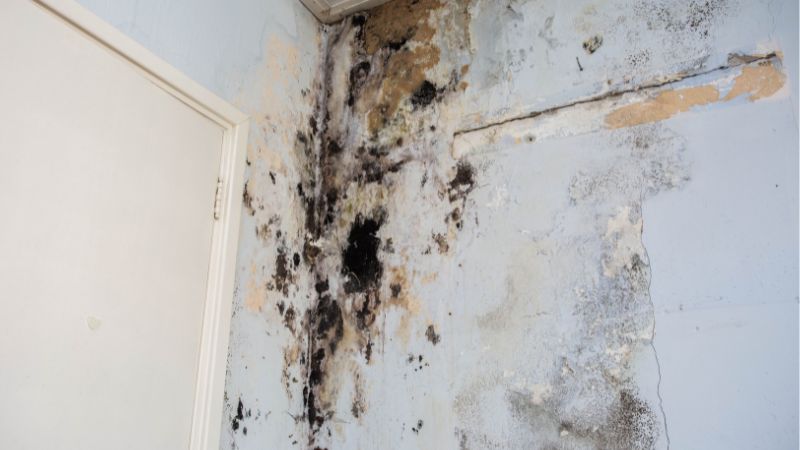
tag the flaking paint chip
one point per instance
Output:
(93, 323)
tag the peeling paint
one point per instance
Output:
(664, 106)
(445, 219)
(757, 82)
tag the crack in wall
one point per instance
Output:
(659, 373)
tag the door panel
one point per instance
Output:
(107, 186)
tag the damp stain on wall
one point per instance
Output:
(444, 253)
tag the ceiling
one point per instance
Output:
(332, 10)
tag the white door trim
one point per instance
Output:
(207, 416)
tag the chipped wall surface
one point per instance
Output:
(483, 224)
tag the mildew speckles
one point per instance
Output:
(694, 16)
(577, 283)
(632, 424)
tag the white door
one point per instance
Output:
(107, 187)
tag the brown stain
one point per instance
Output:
(399, 21)
(463, 85)
(760, 81)
(402, 297)
(256, 292)
(663, 106)
(393, 26)
(756, 81)
(405, 74)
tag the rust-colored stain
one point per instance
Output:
(392, 26)
(757, 81)
(396, 22)
(760, 81)
(405, 73)
(663, 106)
(401, 296)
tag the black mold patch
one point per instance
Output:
(321, 286)
(425, 94)
(239, 417)
(327, 323)
(360, 262)
(457, 191)
(430, 333)
(417, 428)
(247, 199)
(282, 278)
(326, 330)
(396, 290)
(463, 182)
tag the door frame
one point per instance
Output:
(215, 333)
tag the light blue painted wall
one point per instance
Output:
(217, 43)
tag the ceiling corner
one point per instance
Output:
(329, 11)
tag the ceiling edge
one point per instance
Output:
(330, 11)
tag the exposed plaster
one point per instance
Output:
(768, 80)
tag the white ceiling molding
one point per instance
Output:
(329, 11)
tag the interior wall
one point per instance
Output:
(507, 224)
(557, 225)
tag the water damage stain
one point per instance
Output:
(376, 79)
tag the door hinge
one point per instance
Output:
(218, 200)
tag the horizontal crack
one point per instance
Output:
(734, 60)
